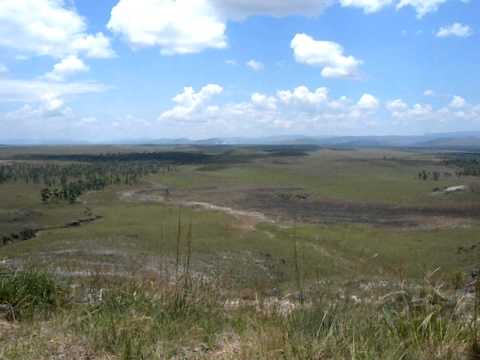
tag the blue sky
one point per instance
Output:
(130, 69)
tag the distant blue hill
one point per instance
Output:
(459, 140)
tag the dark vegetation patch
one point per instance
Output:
(18, 225)
(468, 164)
(298, 205)
(242, 155)
(28, 294)
(210, 154)
(54, 174)
(282, 151)
(175, 157)
(23, 235)
(67, 182)
(31, 233)
(302, 208)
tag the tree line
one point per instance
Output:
(66, 182)
(467, 164)
(166, 157)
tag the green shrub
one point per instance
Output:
(29, 293)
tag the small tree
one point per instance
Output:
(46, 195)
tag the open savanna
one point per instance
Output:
(253, 252)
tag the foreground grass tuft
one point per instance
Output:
(138, 319)
(26, 294)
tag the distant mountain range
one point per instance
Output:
(459, 140)
(445, 140)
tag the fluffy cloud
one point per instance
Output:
(456, 29)
(299, 109)
(402, 111)
(368, 6)
(190, 26)
(429, 92)
(302, 95)
(94, 46)
(54, 29)
(422, 7)
(189, 102)
(255, 65)
(196, 113)
(457, 113)
(48, 27)
(177, 27)
(68, 66)
(3, 69)
(397, 106)
(313, 111)
(368, 102)
(325, 54)
(264, 101)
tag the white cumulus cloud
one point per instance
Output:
(68, 66)
(448, 117)
(325, 54)
(396, 106)
(300, 108)
(189, 102)
(368, 102)
(192, 26)
(302, 95)
(48, 27)
(455, 29)
(264, 101)
(368, 6)
(422, 7)
(402, 111)
(94, 46)
(176, 27)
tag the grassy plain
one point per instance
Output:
(333, 222)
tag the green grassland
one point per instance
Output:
(377, 176)
(142, 239)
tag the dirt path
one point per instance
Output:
(247, 219)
